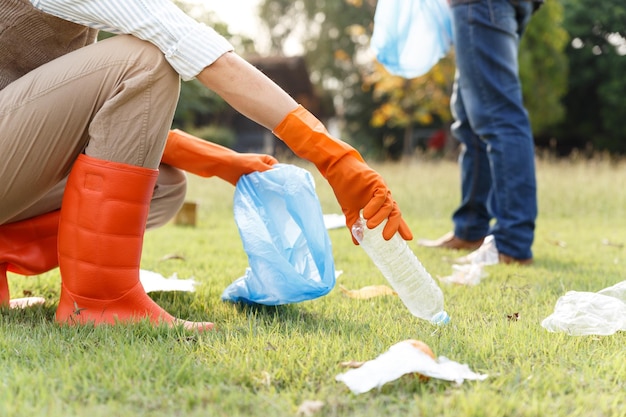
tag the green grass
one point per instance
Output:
(266, 361)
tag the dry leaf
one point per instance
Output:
(370, 291)
(607, 242)
(173, 256)
(351, 364)
(308, 408)
(513, 317)
(265, 379)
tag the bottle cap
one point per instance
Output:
(440, 318)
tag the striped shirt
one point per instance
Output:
(189, 46)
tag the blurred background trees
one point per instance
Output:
(595, 100)
(572, 65)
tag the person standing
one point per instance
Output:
(497, 157)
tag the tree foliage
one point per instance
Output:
(377, 105)
(407, 103)
(198, 106)
(543, 67)
(595, 101)
(572, 66)
(334, 35)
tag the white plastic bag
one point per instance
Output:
(579, 313)
(411, 36)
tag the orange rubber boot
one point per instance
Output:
(208, 159)
(356, 185)
(28, 247)
(103, 219)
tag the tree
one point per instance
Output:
(407, 103)
(376, 105)
(197, 105)
(595, 101)
(544, 67)
(336, 35)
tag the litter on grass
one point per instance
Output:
(469, 269)
(580, 313)
(370, 291)
(153, 281)
(310, 407)
(404, 358)
(468, 274)
(26, 302)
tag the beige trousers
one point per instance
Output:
(113, 100)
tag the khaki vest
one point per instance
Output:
(30, 38)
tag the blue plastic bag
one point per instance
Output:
(411, 36)
(282, 228)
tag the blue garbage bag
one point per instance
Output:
(281, 225)
(411, 36)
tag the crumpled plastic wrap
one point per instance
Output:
(580, 313)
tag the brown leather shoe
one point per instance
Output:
(450, 241)
(506, 259)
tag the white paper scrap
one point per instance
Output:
(403, 358)
(153, 281)
(26, 302)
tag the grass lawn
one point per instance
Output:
(267, 361)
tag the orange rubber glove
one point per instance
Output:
(356, 185)
(207, 159)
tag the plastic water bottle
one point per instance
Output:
(404, 272)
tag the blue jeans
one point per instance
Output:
(497, 158)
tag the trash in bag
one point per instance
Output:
(580, 313)
(411, 36)
(282, 228)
